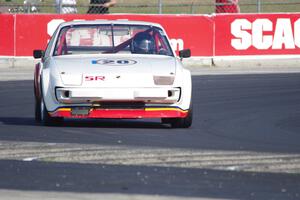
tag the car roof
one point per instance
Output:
(116, 22)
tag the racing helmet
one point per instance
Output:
(143, 43)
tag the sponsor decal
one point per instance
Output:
(113, 62)
(94, 78)
(177, 44)
(264, 34)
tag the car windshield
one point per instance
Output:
(105, 39)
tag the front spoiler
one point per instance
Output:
(122, 113)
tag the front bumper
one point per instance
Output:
(86, 112)
(161, 95)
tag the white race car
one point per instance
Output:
(112, 69)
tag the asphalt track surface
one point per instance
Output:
(244, 144)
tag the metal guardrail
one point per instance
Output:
(141, 6)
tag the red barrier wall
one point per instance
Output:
(207, 36)
(7, 35)
(33, 31)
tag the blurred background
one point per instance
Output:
(152, 7)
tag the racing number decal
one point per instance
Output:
(114, 62)
(105, 62)
(123, 62)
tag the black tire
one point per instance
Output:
(180, 122)
(46, 119)
(37, 110)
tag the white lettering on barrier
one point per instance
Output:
(261, 41)
(261, 34)
(176, 44)
(52, 25)
(243, 38)
(283, 35)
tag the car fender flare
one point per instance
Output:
(187, 91)
(37, 80)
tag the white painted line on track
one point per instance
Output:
(37, 195)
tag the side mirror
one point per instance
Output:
(38, 53)
(185, 53)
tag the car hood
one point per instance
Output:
(113, 70)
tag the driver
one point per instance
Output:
(143, 43)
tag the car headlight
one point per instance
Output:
(163, 80)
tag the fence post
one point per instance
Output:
(192, 8)
(258, 6)
(160, 6)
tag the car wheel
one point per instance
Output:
(180, 122)
(46, 119)
(37, 107)
(37, 110)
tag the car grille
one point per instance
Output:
(121, 105)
